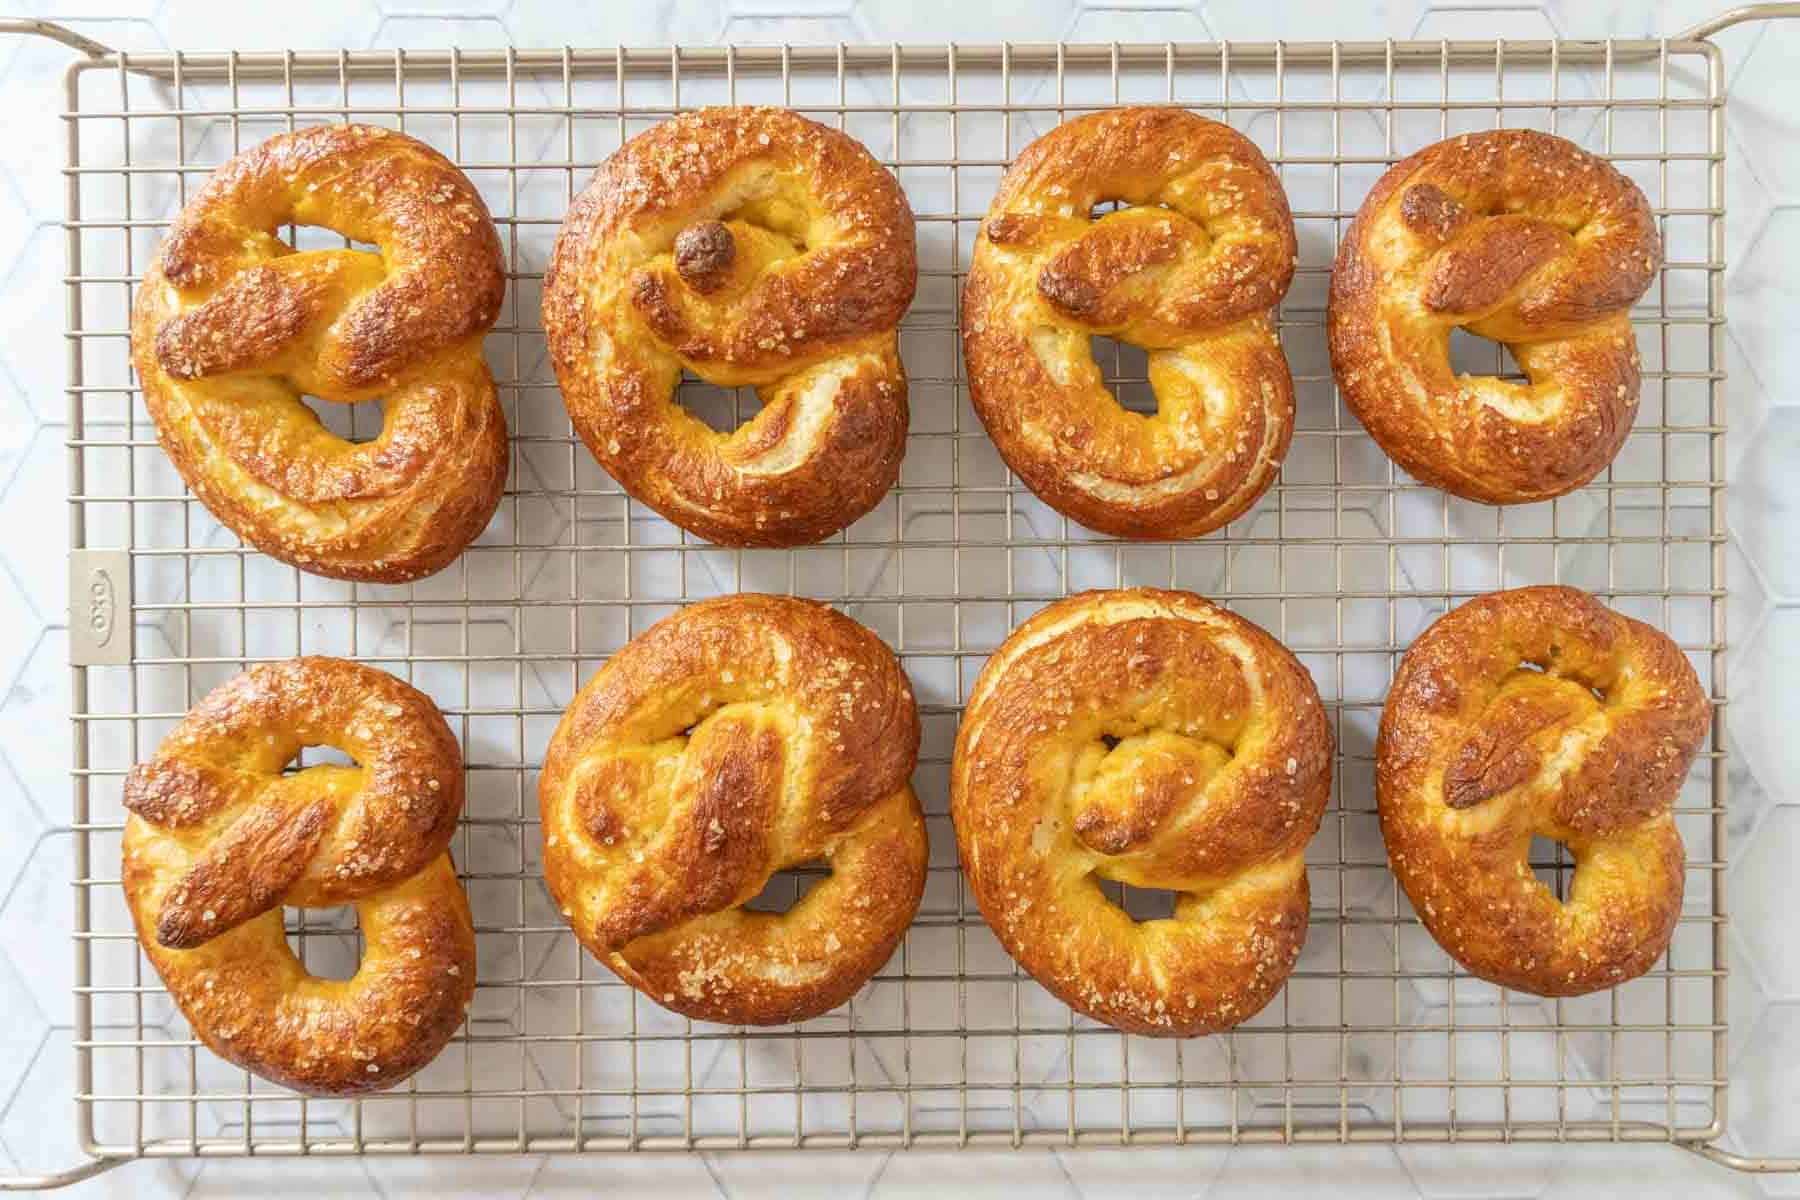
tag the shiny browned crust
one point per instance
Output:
(739, 737)
(753, 248)
(1195, 282)
(1540, 712)
(1218, 778)
(1518, 236)
(231, 327)
(218, 840)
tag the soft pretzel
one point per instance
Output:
(1540, 712)
(754, 248)
(218, 839)
(739, 737)
(1192, 272)
(232, 326)
(1517, 236)
(1152, 738)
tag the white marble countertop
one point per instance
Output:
(1763, 231)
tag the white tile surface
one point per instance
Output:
(1460, 1172)
(1148, 1173)
(1310, 1171)
(1763, 357)
(1771, 656)
(1633, 1172)
(1772, 888)
(803, 1176)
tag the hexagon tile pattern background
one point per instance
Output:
(1763, 298)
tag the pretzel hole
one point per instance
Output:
(327, 941)
(319, 756)
(1472, 354)
(323, 237)
(720, 409)
(1125, 369)
(1599, 694)
(1141, 904)
(1112, 206)
(785, 889)
(1553, 863)
(347, 421)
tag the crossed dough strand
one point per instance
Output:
(1153, 738)
(1191, 271)
(218, 839)
(754, 248)
(1539, 711)
(739, 737)
(1518, 236)
(231, 325)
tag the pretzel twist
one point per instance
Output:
(754, 248)
(219, 839)
(1540, 712)
(232, 325)
(1518, 236)
(1152, 738)
(1192, 272)
(739, 737)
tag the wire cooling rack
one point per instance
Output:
(1377, 1037)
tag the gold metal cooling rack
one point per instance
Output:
(1376, 1038)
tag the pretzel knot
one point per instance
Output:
(739, 737)
(232, 326)
(1517, 236)
(1157, 740)
(1540, 712)
(753, 248)
(219, 839)
(1192, 272)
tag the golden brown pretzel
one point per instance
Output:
(1192, 273)
(231, 326)
(219, 839)
(1540, 711)
(1152, 738)
(754, 248)
(1517, 236)
(739, 737)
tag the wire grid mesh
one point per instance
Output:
(1376, 1037)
